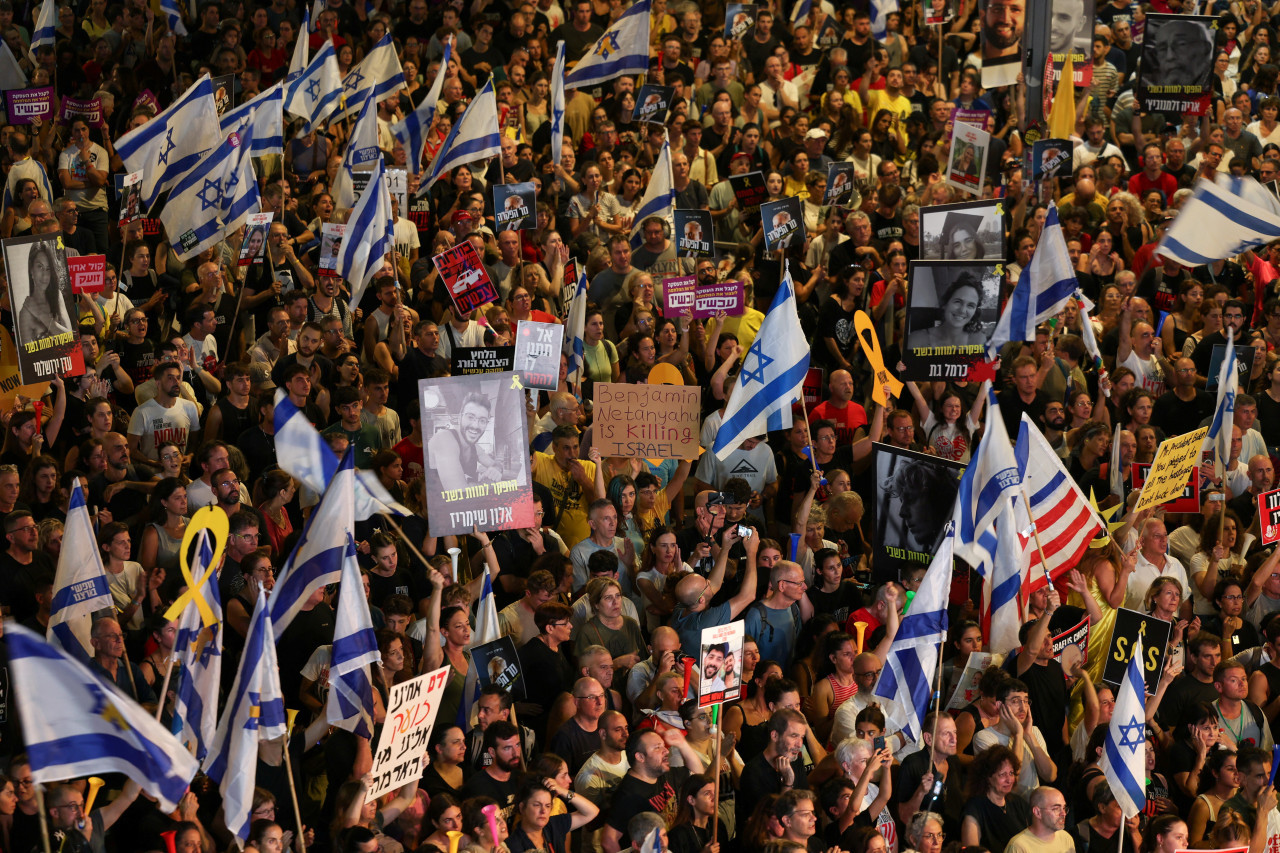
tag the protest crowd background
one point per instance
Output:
(506, 426)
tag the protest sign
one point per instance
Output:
(480, 473)
(1000, 34)
(129, 190)
(1071, 34)
(681, 295)
(515, 207)
(967, 231)
(939, 11)
(257, 227)
(465, 277)
(1072, 645)
(537, 354)
(27, 105)
(952, 310)
(1188, 500)
(45, 317)
(568, 287)
(720, 664)
(1051, 158)
(1269, 516)
(331, 234)
(840, 184)
(907, 529)
(402, 747)
(397, 181)
(968, 163)
(647, 421)
(694, 233)
(71, 109)
(225, 87)
(1174, 463)
(829, 35)
(783, 223)
(967, 687)
(812, 387)
(1245, 354)
(749, 191)
(88, 273)
(1129, 625)
(977, 118)
(498, 664)
(653, 102)
(738, 18)
(12, 391)
(1175, 74)
(470, 361)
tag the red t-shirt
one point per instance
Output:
(847, 419)
(1166, 183)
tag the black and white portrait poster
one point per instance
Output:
(515, 206)
(46, 330)
(1071, 31)
(967, 231)
(939, 11)
(257, 227)
(783, 223)
(1051, 158)
(840, 185)
(720, 664)
(693, 234)
(498, 663)
(653, 103)
(968, 163)
(908, 530)
(479, 476)
(1002, 23)
(952, 309)
(331, 234)
(1176, 71)
(738, 18)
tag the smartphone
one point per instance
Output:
(877, 744)
(744, 531)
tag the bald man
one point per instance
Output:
(577, 737)
(785, 608)
(694, 593)
(847, 415)
(665, 656)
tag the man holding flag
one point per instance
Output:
(1124, 751)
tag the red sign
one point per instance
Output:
(465, 277)
(1269, 516)
(1189, 501)
(88, 273)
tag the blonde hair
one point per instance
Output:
(1156, 587)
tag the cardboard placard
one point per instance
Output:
(720, 664)
(694, 233)
(46, 331)
(537, 354)
(783, 223)
(25, 106)
(498, 663)
(738, 19)
(471, 361)
(71, 109)
(130, 193)
(515, 207)
(568, 287)
(749, 191)
(1175, 462)
(968, 163)
(647, 421)
(1051, 158)
(331, 234)
(1187, 501)
(908, 530)
(1183, 86)
(11, 388)
(967, 687)
(653, 103)
(966, 231)
(1269, 516)
(952, 311)
(682, 294)
(976, 118)
(88, 273)
(465, 277)
(1129, 625)
(257, 228)
(840, 184)
(1072, 645)
(402, 747)
(1245, 354)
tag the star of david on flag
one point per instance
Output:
(608, 57)
(1124, 751)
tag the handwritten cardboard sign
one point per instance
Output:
(411, 715)
(648, 421)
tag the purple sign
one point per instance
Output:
(977, 118)
(77, 108)
(681, 295)
(27, 105)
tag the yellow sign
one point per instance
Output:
(1174, 462)
(871, 348)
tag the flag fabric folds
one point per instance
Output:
(76, 724)
(214, 197)
(1221, 220)
(254, 712)
(800, 11)
(575, 332)
(908, 672)
(362, 149)
(880, 10)
(475, 136)
(1002, 617)
(557, 106)
(379, 74)
(265, 115)
(301, 48)
(197, 649)
(1062, 115)
(80, 587)
(1115, 471)
(314, 94)
(487, 630)
(1124, 750)
(173, 16)
(413, 129)
(623, 49)
(659, 197)
(355, 648)
(771, 378)
(370, 224)
(46, 29)
(1218, 438)
(1043, 287)
(171, 144)
(990, 479)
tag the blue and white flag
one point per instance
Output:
(197, 648)
(46, 29)
(487, 630)
(265, 115)
(413, 129)
(173, 16)
(301, 48)
(254, 712)
(557, 106)
(908, 672)
(989, 480)
(880, 10)
(623, 49)
(362, 151)
(1218, 438)
(370, 235)
(1124, 751)
(355, 648)
(379, 74)
(659, 197)
(214, 197)
(771, 377)
(575, 344)
(170, 145)
(1043, 287)
(800, 11)
(1001, 614)
(314, 94)
(77, 724)
(80, 587)
(473, 137)
(1221, 220)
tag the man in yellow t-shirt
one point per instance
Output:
(889, 98)
(571, 481)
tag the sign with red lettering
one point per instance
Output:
(465, 277)
(402, 747)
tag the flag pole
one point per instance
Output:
(128, 667)
(715, 770)
(164, 689)
(44, 817)
(290, 716)
(937, 704)
(408, 543)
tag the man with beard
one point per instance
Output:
(652, 784)
(498, 779)
(1002, 23)
(1046, 833)
(780, 766)
(1053, 423)
(712, 666)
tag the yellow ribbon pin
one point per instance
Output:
(214, 523)
(871, 348)
(516, 384)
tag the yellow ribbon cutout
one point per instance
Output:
(214, 521)
(871, 348)
(516, 384)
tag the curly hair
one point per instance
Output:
(986, 763)
(966, 279)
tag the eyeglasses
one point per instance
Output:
(594, 697)
(933, 836)
(24, 529)
(172, 455)
(800, 584)
(871, 673)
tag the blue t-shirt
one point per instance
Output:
(689, 625)
(775, 631)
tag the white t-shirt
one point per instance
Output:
(1145, 572)
(473, 336)
(1146, 370)
(1028, 779)
(156, 424)
(89, 198)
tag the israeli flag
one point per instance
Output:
(880, 10)
(361, 256)
(800, 11)
(487, 630)
(771, 378)
(171, 144)
(254, 713)
(1124, 751)
(173, 16)
(355, 648)
(313, 95)
(475, 136)
(1221, 220)
(659, 197)
(301, 48)
(1218, 438)
(1043, 287)
(77, 724)
(413, 129)
(576, 345)
(46, 30)
(80, 587)
(623, 49)
(362, 150)
(989, 481)
(909, 669)
(557, 106)
(1001, 612)
(214, 197)
(265, 116)
(378, 75)
(197, 649)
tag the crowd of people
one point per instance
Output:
(629, 559)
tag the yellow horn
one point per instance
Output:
(95, 784)
(454, 838)
(860, 628)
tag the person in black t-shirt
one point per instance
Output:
(829, 593)
(780, 765)
(650, 785)
(498, 779)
